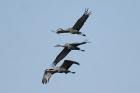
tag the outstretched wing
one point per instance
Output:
(62, 54)
(67, 64)
(81, 43)
(46, 77)
(80, 22)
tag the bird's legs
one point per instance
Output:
(81, 50)
(73, 72)
(77, 48)
(82, 34)
(79, 33)
(66, 72)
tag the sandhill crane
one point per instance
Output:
(77, 26)
(64, 68)
(67, 48)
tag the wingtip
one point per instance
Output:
(86, 9)
(44, 81)
(87, 12)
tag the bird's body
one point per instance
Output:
(64, 68)
(71, 30)
(67, 48)
(75, 29)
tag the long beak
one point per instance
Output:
(53, 31)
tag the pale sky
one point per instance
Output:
(111, 63)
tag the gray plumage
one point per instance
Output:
(67, 48)
(77, 26)
(64, 68)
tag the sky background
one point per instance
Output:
(111, 63)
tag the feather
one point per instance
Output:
(80, 22)
(46, 77)
(67, 64)
(62, 54)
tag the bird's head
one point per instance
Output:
(49, 69)
(59, 30)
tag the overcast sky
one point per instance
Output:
(111, 63)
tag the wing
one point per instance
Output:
(46, 77)
(67, 64)
(80, 22)
(81, 43)
(62, 54)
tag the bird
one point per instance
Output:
(75, 29)
(67, 48)
(64, 68)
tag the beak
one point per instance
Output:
(56, 46)
(53, 31)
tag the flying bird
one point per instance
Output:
(77, 26)
(64, 68)
(67, 48)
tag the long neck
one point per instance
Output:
(59, 46)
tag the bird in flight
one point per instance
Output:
(77, 26)
(67, 48)
(64, 68)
